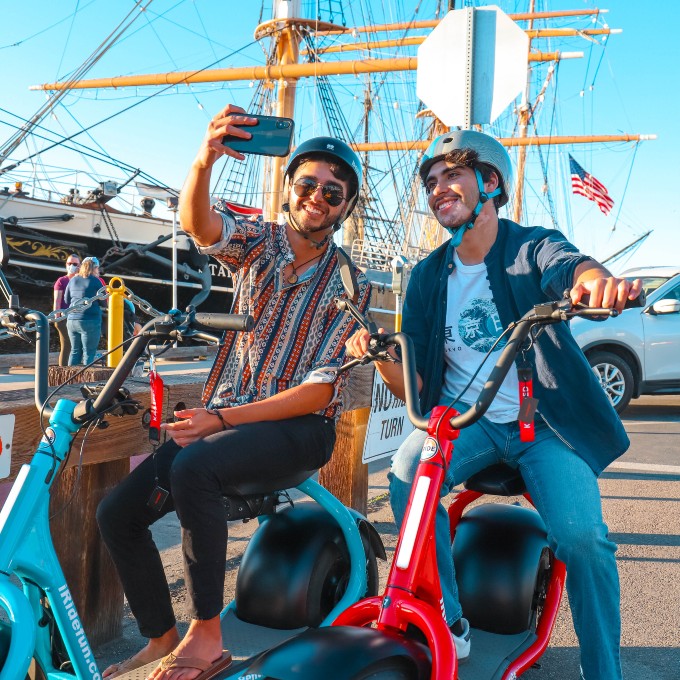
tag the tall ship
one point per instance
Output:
(349, 70)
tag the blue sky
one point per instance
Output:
(42, 41)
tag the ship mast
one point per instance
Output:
(286, 30)
(524, 114)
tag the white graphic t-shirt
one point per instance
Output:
(472, 326)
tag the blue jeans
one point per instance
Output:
(84, 335)
(565, 491)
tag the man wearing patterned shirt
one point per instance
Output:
(271, 399)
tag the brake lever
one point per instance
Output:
(378, 347)
(583, 310)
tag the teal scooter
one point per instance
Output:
(304, 565)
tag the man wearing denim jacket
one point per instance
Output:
(458, 301)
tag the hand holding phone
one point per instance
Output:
(270, 136)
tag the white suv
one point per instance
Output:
(637, 352)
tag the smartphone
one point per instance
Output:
(271, 136)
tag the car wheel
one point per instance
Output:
(615, 376)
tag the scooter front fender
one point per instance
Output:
(341, 653)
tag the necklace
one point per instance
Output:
(293, 278)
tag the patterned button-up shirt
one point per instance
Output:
(299, 335)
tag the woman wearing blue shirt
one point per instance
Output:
(84, 327)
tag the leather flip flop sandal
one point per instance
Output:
(210, 669)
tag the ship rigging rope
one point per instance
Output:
(625, 188)
(114, 115)
(44, 30)
(102, 157)
(13, 143)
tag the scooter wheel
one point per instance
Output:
(295, 569)
(502, 561)
(372, 575)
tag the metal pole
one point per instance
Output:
(172, 205)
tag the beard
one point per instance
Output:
(454, 217)
(309, 225)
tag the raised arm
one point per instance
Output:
(196, 217)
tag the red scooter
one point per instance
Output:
(510, 584)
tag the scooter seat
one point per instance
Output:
(497, 480)
(251, 499)
(256, 486)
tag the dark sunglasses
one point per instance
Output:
(331, 194)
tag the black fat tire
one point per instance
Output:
(330, 576)
(296, 568)
(615, 376)
(372, 576)
(327, 582)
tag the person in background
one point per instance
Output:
(72, 267)
(130, 324)
(85, 326)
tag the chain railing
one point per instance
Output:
(80, 306)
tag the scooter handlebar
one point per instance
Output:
(543, 314)
(168, 326)
(225, 322)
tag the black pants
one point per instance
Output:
(197, 477)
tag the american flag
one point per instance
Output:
(585, 184)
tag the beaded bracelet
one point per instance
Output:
(215, 412)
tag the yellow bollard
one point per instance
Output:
(116, 290)
(397, 313)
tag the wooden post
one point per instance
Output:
(345, 476)
(88, 568)
(85, 561)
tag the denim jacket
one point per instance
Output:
(525, 266)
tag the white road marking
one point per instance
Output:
(645, 467)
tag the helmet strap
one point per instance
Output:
(458, 233)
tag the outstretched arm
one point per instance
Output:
(196, 217)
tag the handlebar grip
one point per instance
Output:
(639, 301)
(225, 322)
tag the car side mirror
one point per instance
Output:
(666, 306)
(347, 275)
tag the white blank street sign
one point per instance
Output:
(472, 65)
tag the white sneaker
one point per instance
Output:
(462, 642)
